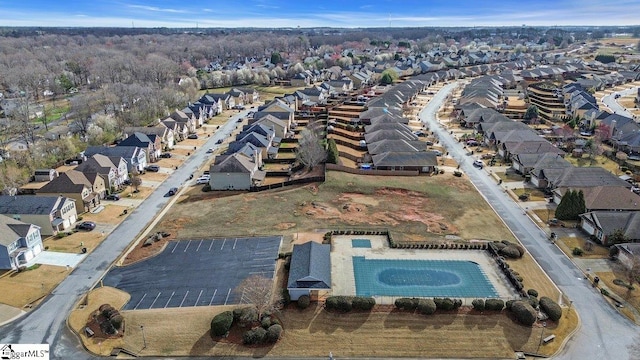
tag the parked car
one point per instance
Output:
(114, 197)
(478, 163)
(172, 191)
(203, 180)
(472, 142)
(220, 141)
(209, 151)
(437, 152)
(192, 136)
(165, 155)
(419, 133)
(239, 107)
(153, 168)
(86, 225)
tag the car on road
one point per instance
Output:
(152, 168)
(478, 163)
(172, 191)
(86, 225)
(220, 141)
(239, 107)
(209, 151)
(192, 136)
(165, 155)
(114, 197)
(437, 152)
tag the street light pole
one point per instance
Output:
(144, 340)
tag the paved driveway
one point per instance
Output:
(195, 272)
(58, 258)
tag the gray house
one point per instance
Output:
(50, 213)
(310, 270)
(19, 242)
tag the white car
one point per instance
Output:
(203, 180)
(478, 164)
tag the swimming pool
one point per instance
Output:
(421, 278)
(361, 243)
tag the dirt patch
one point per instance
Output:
(142, 251)
(284, 226)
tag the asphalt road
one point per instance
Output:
(201, 272)
(613, 104)
(46, 323)
(604, 334)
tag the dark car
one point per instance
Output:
(114, 197)
(165, 155)
(172, 191)
(86, 225)
(192, 136)
(153, 168)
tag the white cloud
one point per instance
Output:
(157, 9)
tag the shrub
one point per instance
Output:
(248, 315)
(534, 302)
(426, 306)
(273, 333)
(363, 303)
(338, 303)
(551, 308)
(532, 292)
(116, 321)
(577, 251)
(265, 322)
(107, 328)
(494, 304)
(408, 304)
(286, 297)
(221, 323)
(237, 314)
(444, 304)
(499, 246)
(510, 251)
(457, 303)
(303, 302)
(478, 304)
(509, 304)
(254, 336)
(524, 313)
(106, 310)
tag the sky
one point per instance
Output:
(314, 13)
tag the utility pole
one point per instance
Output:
(144, 339)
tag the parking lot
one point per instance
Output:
(195, 272)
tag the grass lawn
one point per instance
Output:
(78, 318)
(288, 145)
(631, 296)
(545, 214)
(599, 160)
(71, 243)
(286, 155)
(534, 194)
(534, 277)
(415, 208)
(509, 177)
(29, 287)
(567, 244)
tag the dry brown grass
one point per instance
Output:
(29, 287)
(143, 192)
(534, 277)
(71, 243)
(567, 244)
(109, 215)
(630, 296)
(154, 176)
(315, 332)
(78, 318)
(534, 194)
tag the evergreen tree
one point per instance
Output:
(581, 206)
(333, 154)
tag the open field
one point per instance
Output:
(315, 332)
(415, 208)
(29, 287)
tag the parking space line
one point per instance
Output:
(256, 272)
(167, 304)
(198, 299)
(234, 243)
(214, 295)
(223, 241)
(138, 304)
(174, 248)
(189, 243)
(184, 298)
(210, 246)
(227, 299)
(264, 258)
(154, 300)
(198, 248)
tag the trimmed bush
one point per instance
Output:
(478, 304)
(273, 333)
(551, 308)
(363, 303)
(499, 246)
(534, 302)
(248, 315)
(254, 336)
(494, 304)
(303, 302)
(286, 297)
(457, 303)
(426, 306)
(265, 322)
(509, 304)
(116, 321)
(445, 304)
(532, 292)
(338, 303)
(524, 313)
(221, 323)
(577, 251)
(408, 304)
(237, 313)
(510, 251)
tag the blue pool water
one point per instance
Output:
(361, 243)
(421, 278)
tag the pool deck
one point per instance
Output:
(342, 251)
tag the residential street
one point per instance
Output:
(604, 334)
(612, 104)
(46, 324)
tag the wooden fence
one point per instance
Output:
(372, 172)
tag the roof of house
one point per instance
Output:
(310, 266)
(608, 198)
(71, 181)
(32, 205)
(389, 135)
(421, 159)
(136, 139)
(11, 230)
(383, 146)
(234, 163)
(126, 152)
(542, 161)
(582, 177)
(97, 163)
(610, 221)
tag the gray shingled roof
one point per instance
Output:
(310, 266)
(11, 230)
(422, 158)
(28, 204)
(610, 221)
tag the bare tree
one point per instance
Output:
(258, 291)
(310, 151)
(136, 181)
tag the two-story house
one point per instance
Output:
(51, 213)
(151, 143)
(135, 157)
(74, 184)
(19, 242)
(115, 175)
(236, 171)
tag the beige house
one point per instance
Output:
(75, 185)
(51, 213)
